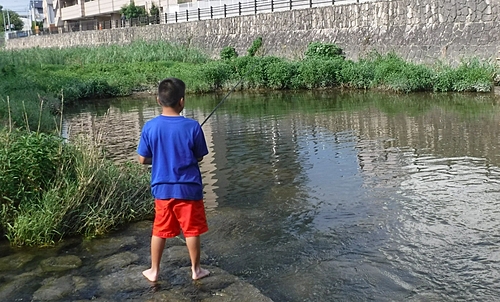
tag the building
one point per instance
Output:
(60, 13)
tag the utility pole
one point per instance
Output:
(8, 18)
(4, 26)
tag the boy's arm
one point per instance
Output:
(145, 160)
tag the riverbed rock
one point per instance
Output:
(117, 261)
(61, 263)
(107, 246)
(179, 255)
(127, 279)
(14, 261)
(8, 289)
(54, 289)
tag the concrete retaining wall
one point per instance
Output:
(418, 30)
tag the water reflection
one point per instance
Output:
(351, 196)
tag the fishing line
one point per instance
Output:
(232, 89)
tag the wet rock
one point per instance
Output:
(107, 246)
(127, 279)
(60, 263)
(14, 261)
(54, 289)
(218, 286)
(238, 292)
(117, 261)
(9, 289)
(179, 255)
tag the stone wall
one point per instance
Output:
(418, 30)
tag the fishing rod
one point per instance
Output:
(231, 91)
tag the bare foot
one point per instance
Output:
(150, 275)
(200, 273)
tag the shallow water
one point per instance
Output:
(341, 196)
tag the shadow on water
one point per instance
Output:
(325, 196)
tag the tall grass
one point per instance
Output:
(51, 189)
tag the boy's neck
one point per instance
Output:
(169, 111)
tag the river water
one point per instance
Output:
(341, 196)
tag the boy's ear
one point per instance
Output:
(158, 100)
(181, 102)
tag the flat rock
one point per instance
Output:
(54, 289)
(117, 261)
(61, 263)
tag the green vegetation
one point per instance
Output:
(51, 188)
(132, 11)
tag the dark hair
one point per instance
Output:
(170, 91)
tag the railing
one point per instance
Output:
(246, 8)
(191, 13)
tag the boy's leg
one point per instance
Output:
(194, 248)
(157, 246)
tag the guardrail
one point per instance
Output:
(246, 8)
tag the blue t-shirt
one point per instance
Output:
(174, 143)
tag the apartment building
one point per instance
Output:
(61, 12)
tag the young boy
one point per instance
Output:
(174, 145)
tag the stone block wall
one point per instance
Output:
(418, 30)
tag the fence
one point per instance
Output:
(187, 12)
(203, 12)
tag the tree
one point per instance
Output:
(15, 20)
(132, 11)
(154, 12)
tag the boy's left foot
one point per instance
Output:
(150, 275)
(201, 273)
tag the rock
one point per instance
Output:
(107, 246)
(179, 255)
(14, 261)
(55, 289)
(61, 263)
(117, 261)
(127, 279)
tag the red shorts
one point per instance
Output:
(172, 215)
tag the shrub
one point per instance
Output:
(359, 75)
(216, 73)
(323, 50)
(228, 53)
(317, 72)
(256, 45)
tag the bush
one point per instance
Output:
(323, 50)
(392, 72)
(318, 73)
(359, 75)
(216, 73)
(256, 45)
(228, 53)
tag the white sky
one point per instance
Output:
(19, 6)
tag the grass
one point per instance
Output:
(51, 189)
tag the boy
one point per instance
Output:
(174, 145)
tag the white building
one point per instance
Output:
(60, 12)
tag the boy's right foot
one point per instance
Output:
(150, 275)
(200, 273)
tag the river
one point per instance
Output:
(340, 196)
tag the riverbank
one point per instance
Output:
(110, 269)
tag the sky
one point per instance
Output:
(19, 6)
